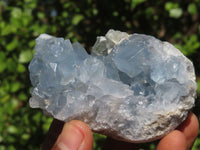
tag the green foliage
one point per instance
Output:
(190, 44)
(192, 9)
(134, 3)
(174, 10)
(196, 145)
(99, 141)
(198, 86)
(77, 18)
(23, 20)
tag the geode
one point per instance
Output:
(134, 87)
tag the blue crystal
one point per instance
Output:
(134, 87)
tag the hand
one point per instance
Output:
(76, 135)
(183, 137)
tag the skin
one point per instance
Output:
(76, 135)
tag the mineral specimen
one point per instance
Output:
(133, 88)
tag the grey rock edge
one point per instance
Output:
(134, 88)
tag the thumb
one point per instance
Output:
(75, 135)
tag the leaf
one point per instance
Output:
(12, 129)
(77, 18)
(15, 87)
(25, 56)
(196, 144)
(177, 35)
(11, 65)
(2, 62)
(1, 139)
(16, 12)
(25, 136)
(175, 13)
(11, 139)
(2, 56)
(26, 20)
(41, 15)
(31, 43)
(2, 147)
(2, 66)
(47, 124)
(14, 104)
(198, 86)
(134, 3)
(67, 5)
(95, 11)
(192, 9)
(174, 10)
(7, 29)
(64, 14)
(170, 5)
(115, 13)
(12, 45)
(21, 68)
(22, 96)
(6, 98)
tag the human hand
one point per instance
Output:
(183, 137)
(76, 135)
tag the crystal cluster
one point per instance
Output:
(133, 87)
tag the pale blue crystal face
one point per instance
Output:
(133, 87)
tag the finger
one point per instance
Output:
(75, 135)
(175, 140)
(184, 137)
(52, 135)
(112, 144)
(190, 128)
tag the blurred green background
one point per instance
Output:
(21, 21)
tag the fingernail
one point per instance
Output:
(70, 138)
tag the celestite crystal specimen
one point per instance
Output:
(132, 87)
